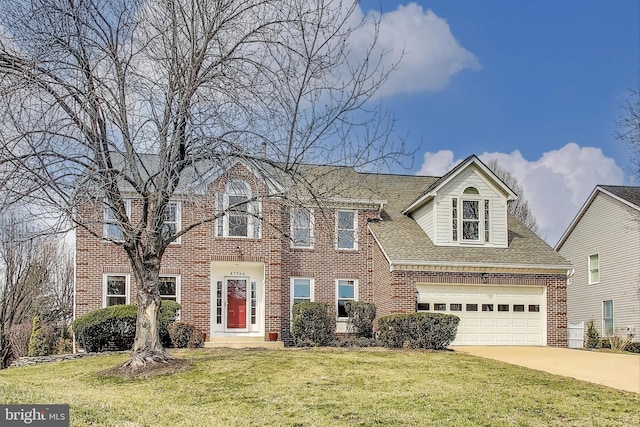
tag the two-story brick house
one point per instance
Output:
(405, 243)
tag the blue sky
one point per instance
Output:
(537, 85)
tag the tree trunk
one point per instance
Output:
(147, 349)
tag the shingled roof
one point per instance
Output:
(405, 243)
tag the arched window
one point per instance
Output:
(470, 217)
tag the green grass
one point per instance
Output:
(321, 387)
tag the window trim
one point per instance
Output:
(127, 287)
(457, 219)
(292, 289)
(292, 216)
(178, 287)
(106, 223)
(338, 299)
(355, 229)
(590, 271)
(604, 319)
(178, 221)
(253, 211)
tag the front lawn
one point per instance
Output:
(320, 387)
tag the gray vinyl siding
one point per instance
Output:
(425, 219)
(610, 229)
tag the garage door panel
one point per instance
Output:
(503, 323)
(514, 319)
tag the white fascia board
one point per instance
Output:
(381, 248)
(449, 264)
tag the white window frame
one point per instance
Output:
(311, 288)
(457, 219)
(177, 277)
(178, 220)
(253, 212)
(127, 286)
(591, 270)
(338, 299)
(108, 221)
(293, 228)
(605, 333)
(355, 230)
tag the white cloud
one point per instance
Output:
(556, 185)
(431, 53)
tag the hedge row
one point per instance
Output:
(312, 324)
(114, 328)
(418, 330)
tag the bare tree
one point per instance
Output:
(90, 88)
(629, 133)
(25, 263)
(519, 207)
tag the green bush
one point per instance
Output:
(593, 337)
(361, 316)
(418, 330)
(312, 324)
(185, 335)
(114, 328)
(38, 341)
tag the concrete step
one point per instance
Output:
(242, 342)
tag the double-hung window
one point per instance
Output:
(112, 226)
(301, 228)
(594, 269)
(172, 220)
(116, 289)
(607, 318)
(169, 288)
(301, 290)
(346, 291)
(346, 230)
(238, 211)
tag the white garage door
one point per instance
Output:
(489, 315)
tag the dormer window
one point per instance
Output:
(470, 217)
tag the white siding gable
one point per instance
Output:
(435, 216)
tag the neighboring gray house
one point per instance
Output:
(603, 244)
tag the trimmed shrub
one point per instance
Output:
(418, 330)
(593, 337)
(361, 315)
(185, 335)
(38, 341)
(312, 324)
(114, 328)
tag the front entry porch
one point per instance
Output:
(237, 302)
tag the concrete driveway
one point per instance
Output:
(620, 371)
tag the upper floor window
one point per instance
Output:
(172, 219)
(594, 269)
(346, 230)
(241, 211)
(116, 289)
(470, 217)
(112, 227)
(301, 228)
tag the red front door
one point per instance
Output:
(236, 303)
